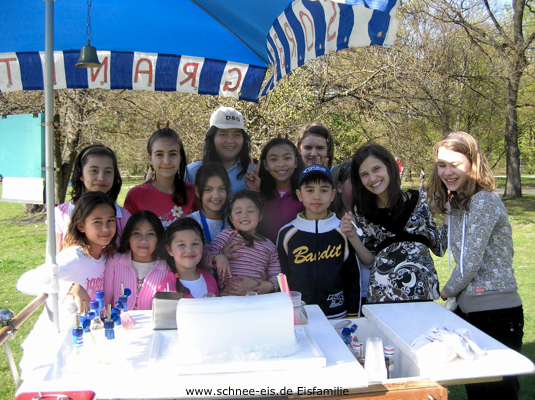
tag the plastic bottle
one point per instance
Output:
(108, 350)
(99, 295)
(78, 358)
(96, 322)
(389, 360)
(126, 319)
(346, 337)
(89, 336)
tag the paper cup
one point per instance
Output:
(296, 298)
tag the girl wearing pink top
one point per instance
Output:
(184, 243)
(95, 170)
(256, 259)
(135, 263)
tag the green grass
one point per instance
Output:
(22, 247)
(525, 181)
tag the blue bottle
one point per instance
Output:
(96, 322)
(99, 295)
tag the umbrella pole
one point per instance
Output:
(49, 158)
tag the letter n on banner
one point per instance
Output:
(99, 78)
(189, 73)
(232, 80)
(144, 70)
(9, 73)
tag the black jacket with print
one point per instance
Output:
(317, 260)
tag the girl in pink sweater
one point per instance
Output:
(135, 263)
(184, 243)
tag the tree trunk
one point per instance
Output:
(513, 186)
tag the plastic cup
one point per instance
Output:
(296, 298)
(374, 363)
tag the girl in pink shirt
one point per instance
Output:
(256, 258)
(95, 170)
(184, 243)
(135, 264)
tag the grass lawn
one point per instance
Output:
(22, 247)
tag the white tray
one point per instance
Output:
(308, 356)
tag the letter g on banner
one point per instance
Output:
(232, 79)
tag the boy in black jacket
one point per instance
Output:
(313, 251)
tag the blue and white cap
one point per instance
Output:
(316, 169)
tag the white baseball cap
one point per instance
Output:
(227, 118)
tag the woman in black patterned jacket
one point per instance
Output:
(397, 228)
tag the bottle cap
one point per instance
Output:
(389, 349)
(108, 324)
(99, 294)
(77, 332)
(93, 304)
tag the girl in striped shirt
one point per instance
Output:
(135, 264)
(256, 259)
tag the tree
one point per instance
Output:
(504, 38)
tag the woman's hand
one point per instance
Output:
(229, 251)
(434, 206)
(252, 180)
(223, 267)
(79, 294)
(347, 225)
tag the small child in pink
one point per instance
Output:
(256, 258)
(136, 264)
(184, 243)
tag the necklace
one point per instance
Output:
(381, 204)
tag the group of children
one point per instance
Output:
(148, 246)
(234, 225)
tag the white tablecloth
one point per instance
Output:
(139, 377)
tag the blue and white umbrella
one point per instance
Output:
(216, 47)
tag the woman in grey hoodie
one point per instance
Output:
(480, 238)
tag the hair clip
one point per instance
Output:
(177, 276)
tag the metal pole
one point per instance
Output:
(49, 157)
(12, 365)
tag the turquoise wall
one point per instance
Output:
(22, 146)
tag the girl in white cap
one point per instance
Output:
(225, 142)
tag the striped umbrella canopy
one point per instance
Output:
(216, 47)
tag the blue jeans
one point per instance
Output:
(507, 327)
